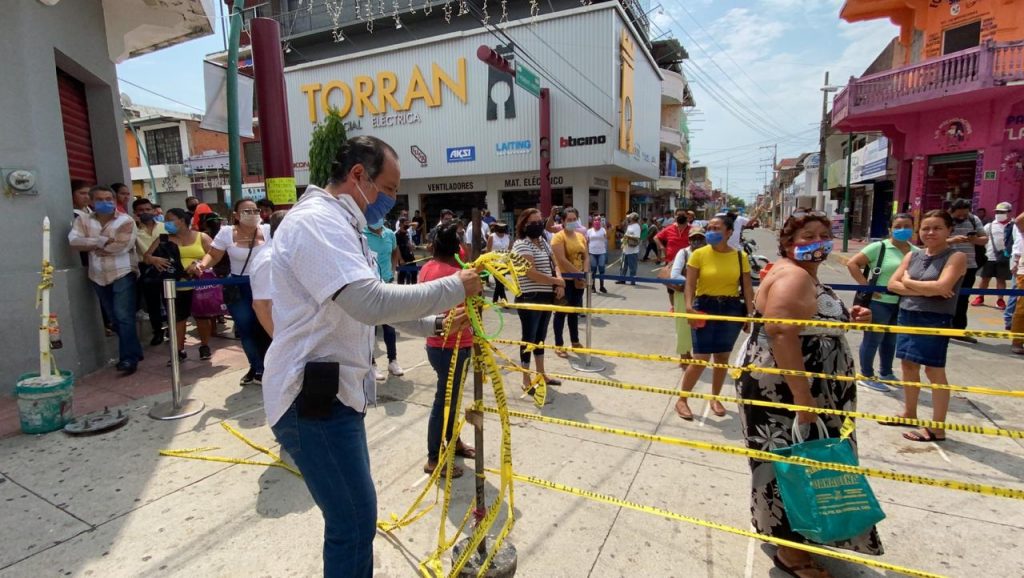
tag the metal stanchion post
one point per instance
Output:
(589, 365)
(177, 408)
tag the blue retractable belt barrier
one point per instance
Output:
(234, 280)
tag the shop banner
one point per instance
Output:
(871, 161)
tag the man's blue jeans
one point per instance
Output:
(335, 464)
(629, 263)
(118, 302)
(884, 344)
(1011, 306)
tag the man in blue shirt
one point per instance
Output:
(384, 244)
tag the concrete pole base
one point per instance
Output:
(502, 566)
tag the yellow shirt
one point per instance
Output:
(575, 247)
(143, 239)
(719, 272)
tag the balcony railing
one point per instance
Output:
(965, 71)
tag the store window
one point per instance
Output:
(163, 146)
(253, 158)
(961, 38)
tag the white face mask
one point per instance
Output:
(249, 220)
(1002, 217)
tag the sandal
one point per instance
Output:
(923, 435)
(793, 570)
(464, 451)
(717, 408)
(561, 353)
(552, 381)
(683, 410)
(456, 470)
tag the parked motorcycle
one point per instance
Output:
(757, 262)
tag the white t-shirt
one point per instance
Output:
(996, 231)
(633, 230)
(501, 242)
(318, 250)
(484, 231)
(260, 273)
(225, 241)
(597, 241)
(737, 232)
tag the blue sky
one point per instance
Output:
(755, 68)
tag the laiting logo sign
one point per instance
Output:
(461, 154)
(583, 141)
(513, 147)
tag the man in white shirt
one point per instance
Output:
(630, 249)
(260, 277)
(327, 297)
(485, 230)
(1013, 315)
(738, 225)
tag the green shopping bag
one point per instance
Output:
(823, 505)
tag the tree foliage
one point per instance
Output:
(328, 136)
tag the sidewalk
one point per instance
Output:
(109, 505)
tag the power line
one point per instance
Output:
(154, 92)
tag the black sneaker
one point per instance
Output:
(248, 379)
(204, 352)
(158, 338)
(257, 379)
(603, 290)
(182, 356)
(127, 367)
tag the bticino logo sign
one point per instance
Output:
(461, 154)
(583, 141)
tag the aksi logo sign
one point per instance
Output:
(461, 154)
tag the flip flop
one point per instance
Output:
(464, 451)
(792, 570)
(688, 415)
(456, 471)
(716, 412)
(562, 353)
(928, 436)
(552, 381)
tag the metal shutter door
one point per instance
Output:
(74, 113)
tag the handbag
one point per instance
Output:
(863, 298)
(233, 293)
(166, 249)
(825, 506)
(208, 300)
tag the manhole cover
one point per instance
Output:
(96, 423)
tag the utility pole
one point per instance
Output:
(775, 165)
(234, 140)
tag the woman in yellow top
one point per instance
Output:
(192, 247)
(717, 283)
(571, 255)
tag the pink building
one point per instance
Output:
(954, 109)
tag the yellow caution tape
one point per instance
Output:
(983, 489)
(737, 369)
(193, 454)
(45, 282)
(958, 427)
(597, 497)
(847, 326)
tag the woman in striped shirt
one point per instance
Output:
(541, 284)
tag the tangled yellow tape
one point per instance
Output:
(771, 321)
(196, 454)
(736, 369)
(983, 489)
(959, 427)
(715, 526)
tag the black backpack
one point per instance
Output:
(166, 249)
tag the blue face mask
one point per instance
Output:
(902, 235)
(570, 227)
(104, 207)
(377, 210)
(171, 228)
(815, 252)
(159, 218)
(377, 226)
(714, 237)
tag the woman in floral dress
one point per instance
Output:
(792, 291)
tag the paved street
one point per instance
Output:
(110, 506)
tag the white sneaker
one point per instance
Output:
(378, 375)
(395, 369)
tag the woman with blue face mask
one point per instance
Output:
(717, 283)
(880, 260)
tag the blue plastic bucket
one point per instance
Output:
(44, 406)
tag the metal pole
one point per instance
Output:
(544, 104)
(819, 199)
(589, 365)
(177, 408)
(478, 398)
(234, 141)
(846, 194)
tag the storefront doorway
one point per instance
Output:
(950, 177)
(515, 202)
(462, 204)
(881, 210)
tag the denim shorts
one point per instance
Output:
(927, 350)
(717, 336)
